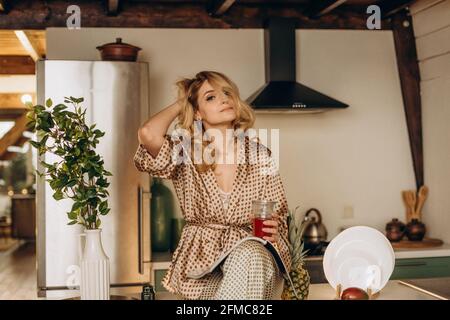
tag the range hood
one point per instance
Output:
(282, 93)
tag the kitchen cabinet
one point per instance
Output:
(416, 268)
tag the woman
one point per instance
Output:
(216, 194)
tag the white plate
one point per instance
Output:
(359, 257)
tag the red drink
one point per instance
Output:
(258, 225)
(261, 211)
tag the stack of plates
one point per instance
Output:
(359, 257)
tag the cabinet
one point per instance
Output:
(416, 268)
(23, 216)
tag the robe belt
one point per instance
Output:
(227, 228)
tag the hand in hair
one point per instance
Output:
(151, 134)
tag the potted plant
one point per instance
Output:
(78, 175)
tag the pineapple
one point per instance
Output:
(297, 288)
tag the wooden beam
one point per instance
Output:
(408, 68)
(14, 134)
(217, 8)
(112, 7)
(13, 101)
(3, 6)
(28, 14)
(391, 7)
(318, 8)
(27, 45)
(8, 156)
(16, 65)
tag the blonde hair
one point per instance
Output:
(188, 90)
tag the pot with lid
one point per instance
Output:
(118, 51)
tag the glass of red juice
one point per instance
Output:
(261, 211)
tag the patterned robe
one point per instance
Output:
(209, 230)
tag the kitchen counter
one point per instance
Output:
(394, 290)
(442, 251)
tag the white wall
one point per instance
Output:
(358, 157)
(431, 21)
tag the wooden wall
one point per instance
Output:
(431, 20)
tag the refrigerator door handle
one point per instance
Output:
(141, 261)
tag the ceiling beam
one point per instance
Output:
(318, 8)
(174, 15)
(13, 101)
(408, 69)
(14, 134)
(3, 6)
(27, 45)
(391, 7)
(112, 7)
(16, 65)
(217, 8)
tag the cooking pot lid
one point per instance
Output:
(118, 44)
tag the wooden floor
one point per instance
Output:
(18, 272)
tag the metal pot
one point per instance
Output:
(315, 232)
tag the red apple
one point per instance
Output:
(354, 293)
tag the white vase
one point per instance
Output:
(94, 264)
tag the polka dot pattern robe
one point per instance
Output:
(211, 231)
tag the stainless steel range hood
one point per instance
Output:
(282, 93)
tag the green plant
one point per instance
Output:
(80, 174)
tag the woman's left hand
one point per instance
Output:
(271, 228)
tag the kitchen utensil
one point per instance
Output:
(410, 198)
(415, 230)
(315, 230)
(395, 230)
(408, 208)
(359, 257)
(421, 198)
(413, 195)
(118, 51)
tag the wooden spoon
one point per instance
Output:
(411, 204)
(422, 197)
(408, 208)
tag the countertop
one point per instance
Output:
(442, 251)
(438, 287)
(394, 290)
